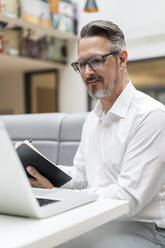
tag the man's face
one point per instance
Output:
(101, 83)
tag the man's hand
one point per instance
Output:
(38, 181)
(17, 144)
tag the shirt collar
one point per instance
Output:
(120, 106)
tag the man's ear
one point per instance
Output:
(123, 56)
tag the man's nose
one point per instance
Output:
(89, 70)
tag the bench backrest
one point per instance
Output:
(56, 135)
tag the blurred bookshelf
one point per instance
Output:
(23, 64)
(40, 30)
(35, 38)
(37, 32)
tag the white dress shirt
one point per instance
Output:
(122, 156)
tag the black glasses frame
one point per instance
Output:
(86, 62)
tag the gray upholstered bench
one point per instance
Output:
(56, 135)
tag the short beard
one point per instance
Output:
(102, 93)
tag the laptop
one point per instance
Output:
(17, 197)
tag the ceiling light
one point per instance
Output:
(91, 6)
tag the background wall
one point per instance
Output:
(12, 93)
(72, 92)
(142, 22)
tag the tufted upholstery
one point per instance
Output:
(56, 135)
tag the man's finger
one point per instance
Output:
(39, 181)
(34, 183)
(33, 172)
(17, 144)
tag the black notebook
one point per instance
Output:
(29, 155)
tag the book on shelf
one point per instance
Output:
(9, 8)
(30, 155)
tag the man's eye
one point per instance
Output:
(82, 65)
(96, 61)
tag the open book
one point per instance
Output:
(29, 155)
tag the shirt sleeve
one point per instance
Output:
(143, 169)
(77, 171)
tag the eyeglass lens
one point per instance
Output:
(94, 63)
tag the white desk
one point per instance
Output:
(21, 232)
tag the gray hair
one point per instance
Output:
(106, 29)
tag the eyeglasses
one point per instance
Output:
(94, 62)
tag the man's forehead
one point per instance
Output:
(91, 46)
(93, 39)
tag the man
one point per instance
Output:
(121, 153)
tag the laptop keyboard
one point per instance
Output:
(43, 201)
